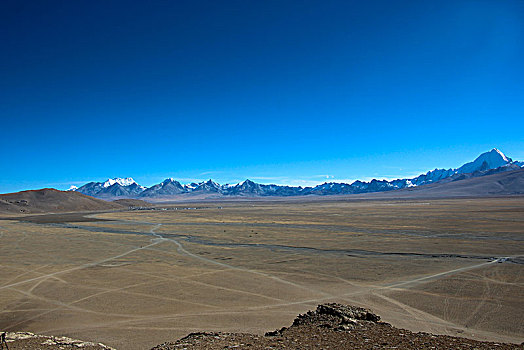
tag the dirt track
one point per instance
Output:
(148, 277)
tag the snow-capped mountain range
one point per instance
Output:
(125, 188)
(487, 163)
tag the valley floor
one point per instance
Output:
(146, 277)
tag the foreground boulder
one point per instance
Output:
(333, 326)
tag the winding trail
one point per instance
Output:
(188, 237)
(181, 249)
(441, 274)
(83, 266)
(275, 303)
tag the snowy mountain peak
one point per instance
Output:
(73, 188)
(502, 155)
(247, 184)
(122, 182)
(488, 160)
(212, 183)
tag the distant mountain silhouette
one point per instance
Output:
(487, 163)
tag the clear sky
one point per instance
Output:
(295, 92)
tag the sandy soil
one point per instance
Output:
(147, 277)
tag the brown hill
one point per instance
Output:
(49, 200)
(332, 326)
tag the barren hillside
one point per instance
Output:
(49, 200)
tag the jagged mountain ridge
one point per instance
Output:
(487, 163)
(167, 187)
(112, 188)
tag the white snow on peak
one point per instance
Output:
(122, 182)
(191, 186)
(502, 155)
(493, 159)
(238, 184)
(210, 183)
(73, 188)
(229, 185)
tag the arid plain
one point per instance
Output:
(140, 278)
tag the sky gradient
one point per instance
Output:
(287, 92)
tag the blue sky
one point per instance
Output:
(296, 92)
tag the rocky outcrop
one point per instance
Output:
(333, 312)
(332, 326)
